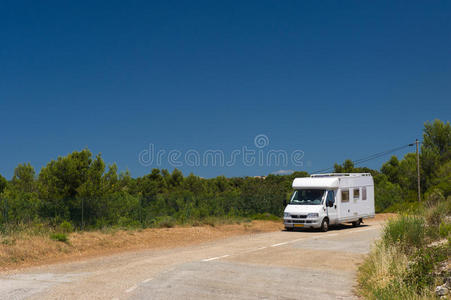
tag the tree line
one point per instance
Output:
(79, 188)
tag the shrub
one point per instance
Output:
(420, 271)
(407, 231)
(435, 214)
(125, 222)
(196, 223)
(389, 273)
(40, 229)
(406, 207)
(434, 196)
(265, 216)
(9, 241)
(211, 221)
(101, 224)
(164, 222)
(66, 227)
(60, 237)
(444, 229)
(403, 265)
(382, 273)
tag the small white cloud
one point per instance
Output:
(283, 172)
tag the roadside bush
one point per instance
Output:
(8, 241)
(405, 207)
(66, 227)
(444, 229)
(404, 264)
(60, 237)
(406, 231)
(212, 221)
(382, 273)
(40, 229)
(434, 196)
(195, 223)
(265, 216)
(435, 214)
(125, 222)
(420, 269)
(389, 273)
(164, 222)
(101, 224)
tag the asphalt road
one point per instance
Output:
(276, 265)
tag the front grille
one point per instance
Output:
(299, 216)
(298, 221)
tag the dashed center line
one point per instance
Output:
(279, 244)
(289, 242)
(131, 289)
(214, 258)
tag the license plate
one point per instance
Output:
(298, 225)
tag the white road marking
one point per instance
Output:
(213, 258)
(289, 242)
(279, 244)
(146, 280)
(131, 289)
(297, 240)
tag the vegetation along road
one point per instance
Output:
(283, 265)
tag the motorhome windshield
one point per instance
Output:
(307, 197)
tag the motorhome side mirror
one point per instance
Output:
(284, 202)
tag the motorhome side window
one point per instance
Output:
(364, 193)
(330, 198)
(344, 195)
(356, 193)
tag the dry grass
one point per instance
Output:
(384, 265)
(403, 263)
(25, 249)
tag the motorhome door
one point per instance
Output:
(331, 206)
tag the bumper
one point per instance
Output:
(306, 223)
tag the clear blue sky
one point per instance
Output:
(335, 79)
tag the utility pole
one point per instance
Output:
(82, 215)
(418, 171)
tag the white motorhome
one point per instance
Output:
(322, 200)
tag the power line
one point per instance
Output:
(371, 157)
(380, 154)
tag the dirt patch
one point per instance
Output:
(25, 251)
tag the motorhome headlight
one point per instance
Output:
(286, 215)
(313, 215)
